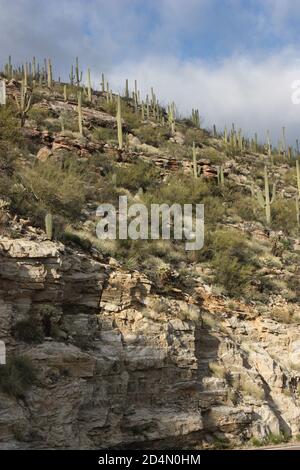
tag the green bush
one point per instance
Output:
(150, 135)
(16, 376)
(106, 134)
(38, 114)
(284, 215)
(135, 176)
(232, 259)
(9, 125)
(214, 209)
(28, 331)
(244, 206)
(47, 187)
(195, 135)
(181, 189)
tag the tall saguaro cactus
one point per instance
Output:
(72, 76)
(80, 113)
(195, 169)
(297, 210)
(298, 176)
(225, 137)
(49, 73)
(171, 117)
(284, 141)
(265, 200)
(297, 197)
(49, 226)
(78, 74)
(89, 85)
(220, 175)
(23, 103)
(2, 92)
(119, 123)
(25, 76)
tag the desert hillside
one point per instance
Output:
(142, 344)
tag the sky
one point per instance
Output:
(234, 60)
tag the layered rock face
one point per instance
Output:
(129, 367)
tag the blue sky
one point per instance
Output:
(233, 59)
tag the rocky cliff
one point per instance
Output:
(122, 365)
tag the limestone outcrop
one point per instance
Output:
(121, 366)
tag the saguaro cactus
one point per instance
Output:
(25, 76)
(65, 93)
(265, 200)
(77, 73)
(171, 116)
(126, 89)
(269, 146)
(49, 226)
(283, 142)
(297, 211)
(195, 168)
(220, 175)
(49, 73)
(119, 123)
(89, 85)
(72, 76)
(34, 69)
(195, 117)
(225, 135)
(143, 111)
(2, 92)
(23, 103)
(298, 175)
(80, 113)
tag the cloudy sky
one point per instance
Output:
(235, 60)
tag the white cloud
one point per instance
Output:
(256, 96)
(150, 41)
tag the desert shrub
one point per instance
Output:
(195, 135)
(28, 331)
(177, 151)
(284, 215)
(47, 187)
(215, 157)
(214, 209)
(153, 135)
(38, 114)
(139, 175)
(70, 237)
(249, 387)
(231, 274)
(9, 125)
(181, 189)
(290, 177)
(109, 107)
(106, 134)
(270, 439)
(218, 370)
(232, 259)
(16, 376)
(245, 207)
(282, 315)
(131, 118)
